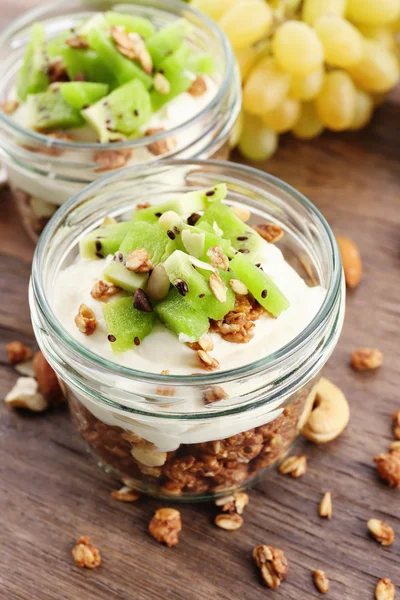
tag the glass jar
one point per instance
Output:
(45, 171)
(163, 433)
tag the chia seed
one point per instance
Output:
(171, 234)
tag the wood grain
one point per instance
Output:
(51, 492)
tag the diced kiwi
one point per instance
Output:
(55, 47)
(82, 93)
(49, 110)
(118, 274)
(120, 113)
(132, 23)
(124, 69)
(261, 285)
(103, 241)
(89, 63)
(184, 204)
(148, 236)
(180, 79)
(243, 238)
(33, 74)
(165, 41)
(201, 242)
(95, 22)
(180, 317)
(127, 327)
(201, 63)
(194, 288)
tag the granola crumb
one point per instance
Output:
(198, 87)
(125, 494)
(208, 362)
(142, 205)
(103, 290)
(270, 232)
(272, 563)
(366, 359)
(385, 590)
(160, 146)
(381, 531)
(395, 446)
(218, 259)
(85, 320)
(111, 159)
(139, 261)
(10, 106)
(85, 554)
(165, 526)
(296, 466)
(235, 503)
(325, 506)
(321, 581)
(396, 424)
(161, 84)
(17, 352)
(214, 394)
(229, 521)
(77, 42)
(388, 467)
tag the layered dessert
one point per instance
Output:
(102, 89)
(186, 287)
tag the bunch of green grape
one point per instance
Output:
(307, 65)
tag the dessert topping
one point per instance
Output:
(103, 290)
(238, 287)
(85, 554)
(165, 526)
(139, 261)
(10, 106)
(296, 466)
(85, 320)
(272, 564)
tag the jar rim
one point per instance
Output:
(271, 361)
(229, 75)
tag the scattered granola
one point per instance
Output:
(142, 205)
(17, 352)
(47, 379)
(270, 232)
(161, 84)
(103, 290)
(385, 590)
(85, 320)
(235, 503)
(198, 87)
(125, 494)
(229, 521)
(25, 394)
(132, 46)
(295, 466)
(85, 554)
(272, 564)
(214, 394)
(366, 359)
(160, 146)
(325, 506)
(165, 526)
(207, 361)
(111, 159)
(217, 287)
(218, 259)
(321, 581)
(238, 325)
(396, 424)
(395, 446)
(381, 531)
(57, 71)
(10, 106)
(139, 261)
(77, 42)
(388, 467)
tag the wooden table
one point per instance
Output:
(51, 492)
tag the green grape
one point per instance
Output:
(284, 117)
(212, 8)
(248, 57)
(266, 86)
(336, 102)
(297, 48)
(313, 9)
(257, 142)
(373, 12)
(246, 22)
(342, 42)
(308, 87)
(378, 70)
(237, 130)
(284, 8)
(382, 35)
(364, 110)
(308, 125)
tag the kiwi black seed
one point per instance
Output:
(136, 341)
(192, 220)
(242, 238)
(181, 286)
(171, 234)
(141, 301)
(264, 293)
(157, 214)
(112, 338)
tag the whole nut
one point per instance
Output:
(351, 260)
(46, 378)
(330, 414)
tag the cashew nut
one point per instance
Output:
(330, 414)
(25, 394)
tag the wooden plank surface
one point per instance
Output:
(51, 491)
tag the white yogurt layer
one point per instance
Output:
(181, 109)
(162, 349)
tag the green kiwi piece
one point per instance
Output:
(103, 241)
(121, 112)
(201, 63)
(82, 93)
(119, 275)
(261, 285)
(89, 63)
(131, 23)
(193, 285)
(181, 318)
(33, 74)
(184, 204)
(127, 327)
(94, 23)
(148, 236)
(124, 69)
(167, 40)
(55, 46)
(49, 110)
(243, 237)
(180, 79)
